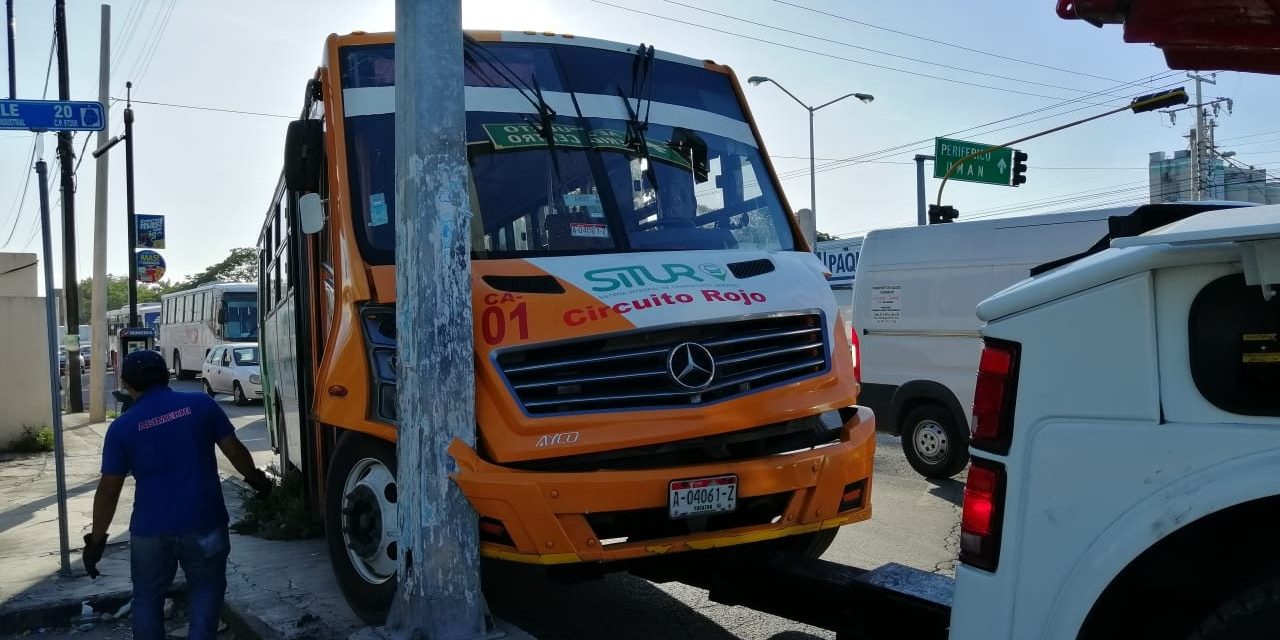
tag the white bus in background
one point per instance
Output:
(194, 321)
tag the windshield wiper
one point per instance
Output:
(546, 115)
(510, 78)
(641, 85)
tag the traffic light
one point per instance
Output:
(1019, 167)
(1158, 100)
(939, 214)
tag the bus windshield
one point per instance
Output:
(242, 316)
(683, 173)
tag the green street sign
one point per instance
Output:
(988, 168)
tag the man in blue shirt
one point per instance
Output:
(166, 441)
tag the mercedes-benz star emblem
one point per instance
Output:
(691, 365)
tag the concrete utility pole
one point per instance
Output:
(1200, 141)
(70, 285)
(922, 217)
(98, 315)
(438, 595)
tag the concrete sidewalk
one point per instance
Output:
(277, 590)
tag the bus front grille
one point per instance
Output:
(667, 367)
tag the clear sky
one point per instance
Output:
(211, 173)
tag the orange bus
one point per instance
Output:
(660, 365)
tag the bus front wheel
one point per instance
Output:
(361, 524)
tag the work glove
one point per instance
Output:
(93, 549)
(258, 480)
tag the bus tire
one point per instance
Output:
(1251, 614)
(935, 446)
(359, 506)
(178, 371)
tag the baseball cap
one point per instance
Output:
(144, 366)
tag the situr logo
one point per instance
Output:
(631, 276)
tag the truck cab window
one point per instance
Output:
(1235, 347)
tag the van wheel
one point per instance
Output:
(935, 445)
(1251, 614)
(361, 525)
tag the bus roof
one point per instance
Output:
(360, 37)
(222, 286)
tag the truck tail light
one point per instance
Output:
(994, 396)
(857, 355)
(983, 515)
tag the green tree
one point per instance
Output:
(117, 295)
(823, 236)
(241, 265)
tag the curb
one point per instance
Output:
(245, 626)
(61, 612)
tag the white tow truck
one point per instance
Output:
(1125, 480)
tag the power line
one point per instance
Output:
(872, 50)
(127, 29)
(1105, 192)
(914, 145)
(825, 55)
(148, 42)
(1030, 167)
(200, 108)
(1252, 135)
(156, 45)
(944, 43)
(16, 212)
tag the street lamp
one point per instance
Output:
(756, 81)
(130, 215)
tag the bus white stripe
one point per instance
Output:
(364, 101)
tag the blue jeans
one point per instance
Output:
(153, 563)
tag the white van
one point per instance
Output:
(1126, 470)
(914, 302)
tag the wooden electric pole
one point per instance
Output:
(439, 593)
(66, 155)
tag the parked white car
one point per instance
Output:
(234, 369)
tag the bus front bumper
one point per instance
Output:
(552, 518)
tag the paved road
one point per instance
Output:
(916, 522)
(250, 423)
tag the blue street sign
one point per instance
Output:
(51, 115)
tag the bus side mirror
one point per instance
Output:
(222, 315)
(304, 155)
(310, 213)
